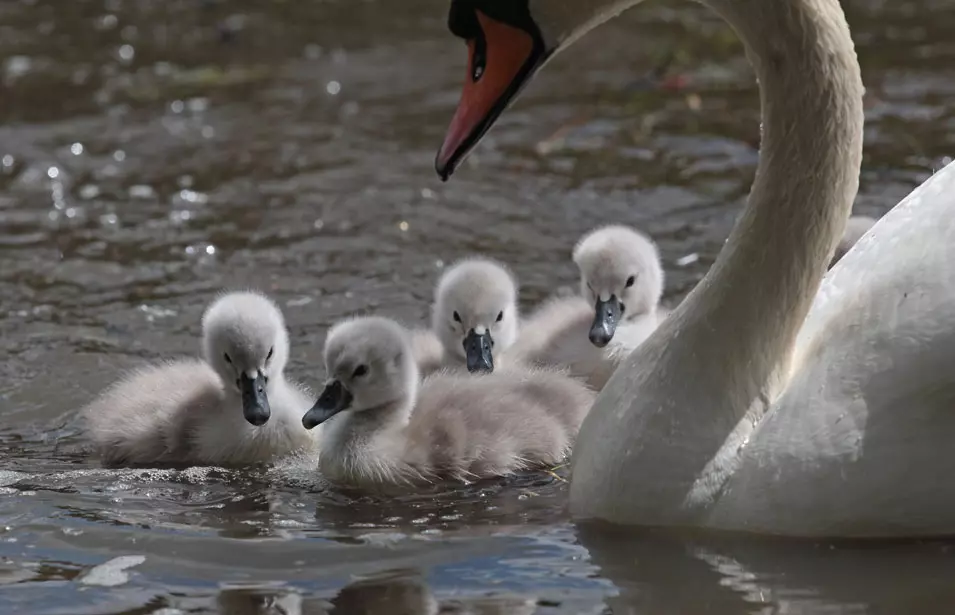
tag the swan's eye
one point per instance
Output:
(631, 280)
(500, 316)
(623, 308)
(226, 357)
(271, 351)
(360, 371)
(456, 316)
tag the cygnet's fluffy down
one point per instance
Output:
(386, 427)
(235, 407)
(856, 227)
(555, 335)
(621, 281)
(473, 318)
(427, 350)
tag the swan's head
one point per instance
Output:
(620, 273)
(369, 364)
(475, 311)
(508, 42)
(244, 339)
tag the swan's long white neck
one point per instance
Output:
(688, 397)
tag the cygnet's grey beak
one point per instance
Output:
(605, 321)
(255, 403)
(477, 349)
(335, 398)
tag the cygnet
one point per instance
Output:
(474, 315)
(234, 407)
(384, 426)
(621, 281)
(621, 275)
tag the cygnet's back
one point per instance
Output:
(555, 335)
(142, 417)
(481, 425)
(234, 407)
(392, 429)
(428, 351)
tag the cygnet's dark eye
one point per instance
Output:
(227, 359)
(456, 316)
(360, 371)
(623, 307)
(631, 280)
(500, 316)
(271, 350)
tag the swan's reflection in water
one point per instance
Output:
(394, 592)
(661, 574)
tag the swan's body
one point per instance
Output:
(722, 418)
(391, 429)
(856, 227)
(860, 440)
(216, 411)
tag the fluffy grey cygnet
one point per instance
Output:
(233, 407)
(386, 426)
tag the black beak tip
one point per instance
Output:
(445, 169)
(334, 398)
(258, 419)
(599, 339)
(480, 368)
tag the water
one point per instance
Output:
(153, 153)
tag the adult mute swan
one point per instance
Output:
(723, 419)
(856, 227)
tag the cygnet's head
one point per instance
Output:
(369, 364)
(620, 273)
(244, 339)
(475, 311)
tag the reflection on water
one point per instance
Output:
(152, 153)
(736, 575)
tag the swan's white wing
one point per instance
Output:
(862, 440)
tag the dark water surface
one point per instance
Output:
(154, 152)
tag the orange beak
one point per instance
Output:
(498, 67)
